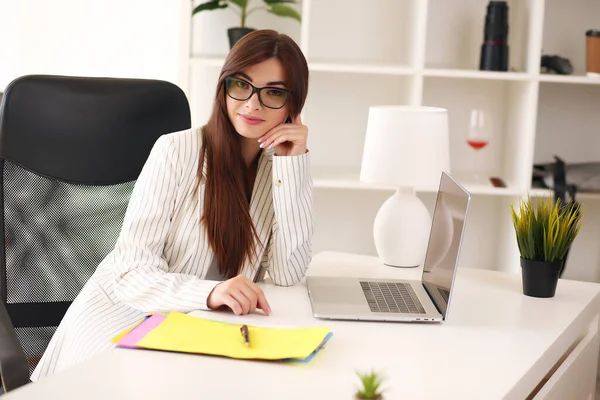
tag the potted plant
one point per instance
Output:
(370, 383)
(276, 7)
(544, 236)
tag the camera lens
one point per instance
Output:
(494, 51)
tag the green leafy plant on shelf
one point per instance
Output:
(276, 7)
(242, 8)
(370, 386)
(546, 231)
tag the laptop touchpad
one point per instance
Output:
(338, 291)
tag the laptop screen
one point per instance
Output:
(444, 241)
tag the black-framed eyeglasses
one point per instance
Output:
(269, 96)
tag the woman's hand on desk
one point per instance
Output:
(240, 294)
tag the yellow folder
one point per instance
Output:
(184, 333)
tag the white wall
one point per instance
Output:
(8, 42)
(116, 38)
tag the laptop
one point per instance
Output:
(427, 300)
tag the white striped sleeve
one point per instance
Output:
(141, 272)
(290, 248)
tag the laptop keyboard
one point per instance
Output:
(391, 297)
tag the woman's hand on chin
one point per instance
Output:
(287, 139)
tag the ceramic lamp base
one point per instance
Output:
(401, 230)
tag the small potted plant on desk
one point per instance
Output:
(276, 7)
(544, 233)
(370, 386)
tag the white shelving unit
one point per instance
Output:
(426, 52)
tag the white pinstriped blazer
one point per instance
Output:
(162, 254)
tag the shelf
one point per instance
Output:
(580, 79)
(506, 103)
(360, 68)
(565, 37)
(343, 67)
(567, 121)
(427, 53)
(481, 190)
(476, 74)
(354, 31)
(333, 178)
(580, 196)
(429, 72)
(455, 33)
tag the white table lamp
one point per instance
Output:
(405, 147)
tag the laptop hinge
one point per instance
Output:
(433, 300)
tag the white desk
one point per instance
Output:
(497, 344)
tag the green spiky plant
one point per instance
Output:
(371, 383)
(546, 231)
(276, 7)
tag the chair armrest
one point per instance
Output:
(14, 370)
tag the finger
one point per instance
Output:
(263, 304)
(281, 127)
(271, 132)
(232, 303)
(241, 299)
(214, 299)
(250, 295)
(269, 142)
(282, 139)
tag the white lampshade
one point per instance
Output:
(406, 146)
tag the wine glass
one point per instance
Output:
(478, 137)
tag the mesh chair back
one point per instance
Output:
(71, 149)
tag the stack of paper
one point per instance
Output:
(184, 333)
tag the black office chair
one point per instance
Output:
(71, 149)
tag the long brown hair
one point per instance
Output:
(226, 216)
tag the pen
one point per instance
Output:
(245, 334)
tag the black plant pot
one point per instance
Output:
(236, 34)
(540, 278)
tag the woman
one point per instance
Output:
(211, 210)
